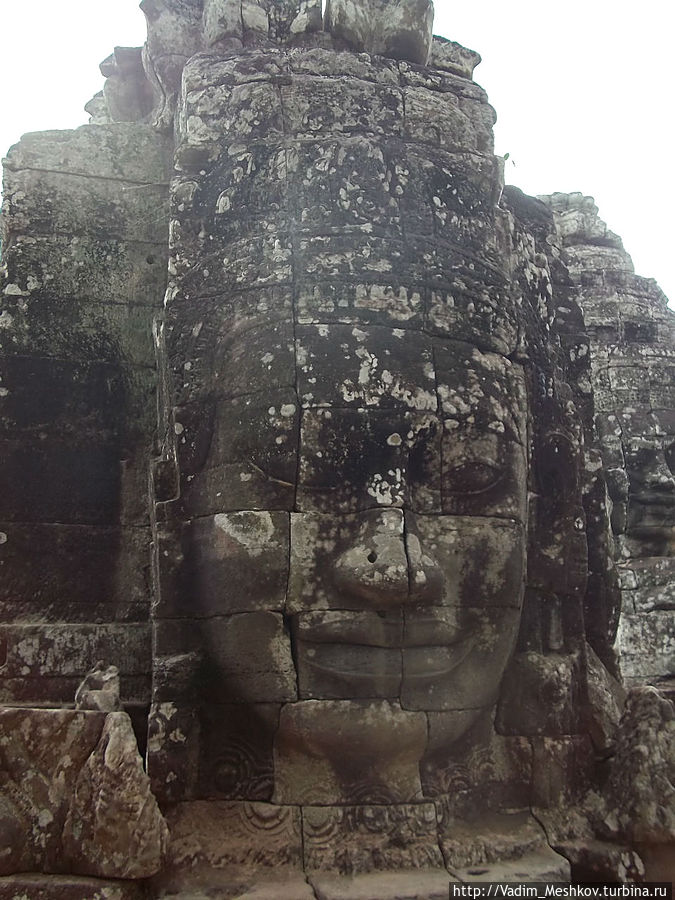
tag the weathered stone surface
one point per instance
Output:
(114, 827)
(249, 658)
(570, 833)
(74, 796)
(226, 845)
(516, 850)
(100, 689)
(236, 761)
(640, 798)
(606, 698)
(452, 57)
(419, 885)
(77, 302)
(402, 30)
(631, 330)
(67, 887)
(350, 840)
(548, 688)
(44, 663)
(239, 562)
(348, 751)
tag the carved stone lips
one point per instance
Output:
(394, 632)
(385, 666)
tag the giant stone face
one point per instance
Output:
(350, 427)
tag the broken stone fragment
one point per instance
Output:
(100, 689)
(452, 57)
(74, 796)
(127, 92)
(222, 20)
(114, 828)
(640, 796)
(401, 29)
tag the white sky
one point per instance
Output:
(583, 91)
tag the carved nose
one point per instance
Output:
(385, 567)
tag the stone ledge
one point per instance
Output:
(67, 887)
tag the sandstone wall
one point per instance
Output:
(83, 273)
(632, 334)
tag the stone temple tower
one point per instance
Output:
(333, 467)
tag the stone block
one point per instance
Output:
(47, 202)
(318, 545)
(67, 887)
(354, 840)
(354, 257)
(346, 366)
(236, 761)
(201, 335)
(540, 695)
(351, 181)
(562, 769)
(452, 57)
(248, 656)
(474, 576)
(173, 747)
(94, 272)
(402, 30)
(395, 304)
(227, 844)
(468, 767)
(70, 481)
(242, 193)
(112, 565)
(225, 114)
(260, 260)
(639, 797)
(423, 884)
(256, 65)
(368, 666)
(484, 457)
(351, 460)
(647, 644)
(445, 676)
(236, 562)
(243, 455)
(456, 124)
(45, 663)
(322, 108)
(333, 751)
(114, 828)
(542, 865)
(86, 397)
(474, 311)
(237, 361)
(221, 20)
(77, 330)
(121, 151)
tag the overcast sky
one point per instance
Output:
(583, 91)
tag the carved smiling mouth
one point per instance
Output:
(367, 662)
(361, 654)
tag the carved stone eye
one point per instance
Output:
(473, 477)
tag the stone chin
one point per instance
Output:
(331, 750)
